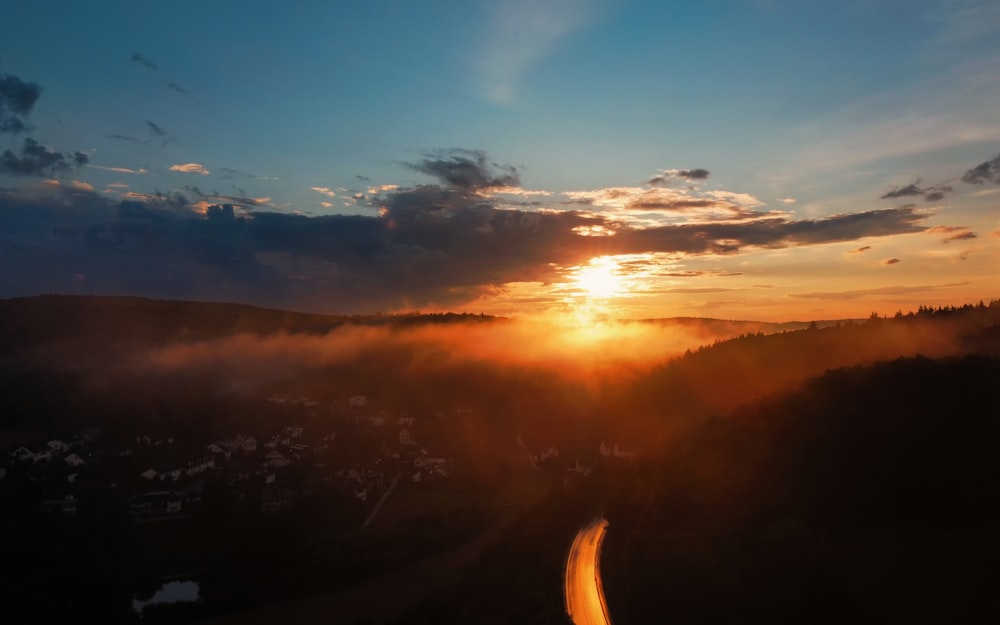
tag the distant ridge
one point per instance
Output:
(27, 322)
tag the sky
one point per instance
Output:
(741, 159)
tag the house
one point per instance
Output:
(404, 421)
(35, 453)
(199, 465)
(358, 401)
(58, 447)
(74, 460)
(276, 460)
(155, 503)
(293, 431)
(62, 505)
(405, 438)
(246, 442)
(428, 462)
(150, 474)
(615, 451)
(223, 447)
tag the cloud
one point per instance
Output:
(327, 191)
(670, 175)
(179, 89)
(190, 168)
(890, 261)
(952, 233)
(129, 138)
(910, 189)
(787, 200)
(519, 34)
(860, 250)
(467, 170)
(878, 292)
(428, 245)
(139, 59)
(988, 171)
(693, 174)
(17, 99)
(932, 193)
(121, 170)
(155, 129)
(229, 172)
(36, 159)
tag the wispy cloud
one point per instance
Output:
(190, 168)
(877, 292)
(952, 233)
(520, 33)
(327, 191)
(139, 59)
(178, 89)
(121, 170)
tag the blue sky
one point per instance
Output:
(800, 112)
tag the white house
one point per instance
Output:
(358, 401)
(58, 447)
(405, 438)
(74, 460)
(276, 460)
(199, 466)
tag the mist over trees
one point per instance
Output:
(835, 471)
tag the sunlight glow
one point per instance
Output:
(601, 278)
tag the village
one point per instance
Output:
(355, 450)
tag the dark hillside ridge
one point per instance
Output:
(27, 322)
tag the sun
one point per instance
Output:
(600, 278)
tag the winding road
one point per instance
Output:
(583, 589)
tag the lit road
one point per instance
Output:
(584, 591)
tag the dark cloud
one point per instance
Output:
(908, 190)
(441, 244)
(155, 129)
(932, 193)
(129, 138)
(17, 98)
(693, 174)
(952, 233)
(988, 171)
(138, 59)
(179, 89)
(672, 174)
(37, 160)
(890, 261)
(467, 170)
(859, 250)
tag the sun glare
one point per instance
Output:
(601, 278)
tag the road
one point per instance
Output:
(584, 592)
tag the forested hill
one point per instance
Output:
(27, 322)
(869, 494)
(721, 377)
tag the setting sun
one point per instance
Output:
(600, 278)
